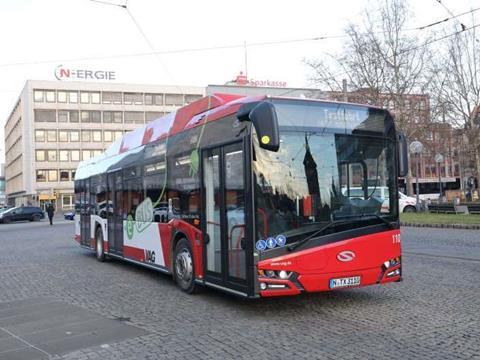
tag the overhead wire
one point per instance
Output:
(208, 48)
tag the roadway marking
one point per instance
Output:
(25, 342)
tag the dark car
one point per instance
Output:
(31, 213)
(69, 215)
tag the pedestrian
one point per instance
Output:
(50, 212)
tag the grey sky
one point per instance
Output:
(39, 30)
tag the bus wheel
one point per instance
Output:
(409, 209)
(183, 272)
(99, 245)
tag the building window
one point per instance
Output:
(112, 117)
(118, 135)
(38, 95)
(97, 152)
(41, 176)
(66, 199)
(422, 104)
(75, 155)
(95, 97)
(73, 97)
(407, 104)
(74, 136)
(191, 98)
(62, 135)
(97, 135)
(174, 99)
(107, 135)
(64, 176)
(40, 135)
(45, 115)
(52, 135)
(73, 116)
(112, 97)
(52, 155)
(134, 117)
(62, 96)
(152, 115)
(84, 97)
(50, 96)
(52, 175)
(72, 175)
(40, 155)
(86, 155)
(62, 115)
(91, 116)
(86, 135)
(63, 155)
(133, 98)
(153, 99)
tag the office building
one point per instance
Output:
(56, 124)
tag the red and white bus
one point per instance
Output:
(250, 195)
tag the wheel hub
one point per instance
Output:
(183, 266)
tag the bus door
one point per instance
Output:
(227, 262)
(115, 211)
(85, 238)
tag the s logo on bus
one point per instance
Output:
(346, 256)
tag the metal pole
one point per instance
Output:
(439, 180)
(416, 173)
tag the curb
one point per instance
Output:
(442, 226)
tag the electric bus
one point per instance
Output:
(250, 195)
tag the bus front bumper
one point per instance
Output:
(298, 283)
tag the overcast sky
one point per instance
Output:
(59, 30)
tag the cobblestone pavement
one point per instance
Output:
(433, 313)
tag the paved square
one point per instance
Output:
(43, 327)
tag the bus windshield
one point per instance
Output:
(338, 171)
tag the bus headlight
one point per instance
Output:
(392, 262)
(275, 274)
(270, 273)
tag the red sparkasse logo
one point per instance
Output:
(242, 80)
(66, 73)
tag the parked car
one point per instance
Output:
(405, 203)
(31, 213)
(69, 215)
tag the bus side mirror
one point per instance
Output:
(264, 118)
(402, 150)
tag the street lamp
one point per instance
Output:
(439, 159)
(416, 147)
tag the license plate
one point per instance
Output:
(344, 282)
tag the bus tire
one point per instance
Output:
(99, 245)
(409, 209)
(183, 270)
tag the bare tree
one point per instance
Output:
(383, 63)
(455, 87)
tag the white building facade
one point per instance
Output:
(54, 125)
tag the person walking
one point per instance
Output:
(50, 212)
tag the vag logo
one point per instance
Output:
(346, 256)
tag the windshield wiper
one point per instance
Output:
(316, 233)
(366, 216)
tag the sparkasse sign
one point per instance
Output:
(66, 73)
